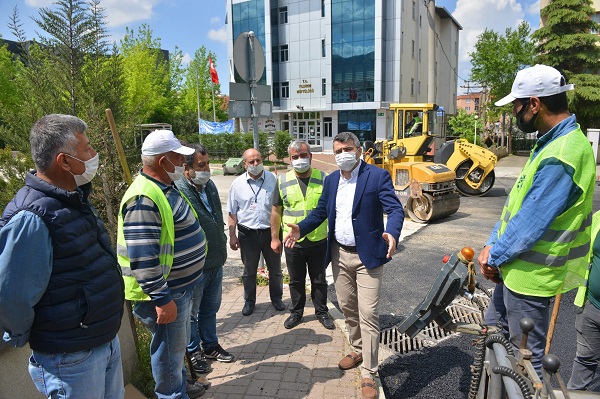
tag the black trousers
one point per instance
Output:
(252, 244)
(298, 261)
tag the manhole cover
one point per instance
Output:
(461, 310)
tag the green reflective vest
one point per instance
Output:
(146, 187)
(557, 262)
(582, 291)
(297, 206)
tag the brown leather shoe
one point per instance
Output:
(351, 360)
(369, 388)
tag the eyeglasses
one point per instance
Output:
(304, 155)
(345, 149)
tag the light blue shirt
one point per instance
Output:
(250, 200)
(25, 269)
(552, 192)
(344, 200)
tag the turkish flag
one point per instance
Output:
(213, 71)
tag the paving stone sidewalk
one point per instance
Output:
(272, 362)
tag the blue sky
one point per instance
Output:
(190, 24)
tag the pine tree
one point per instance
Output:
(567, 42)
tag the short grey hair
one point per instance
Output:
(51, 135)
(200, 149)
(150, 160)
(297, 145)
(344, 137)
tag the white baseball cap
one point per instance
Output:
(536, 81)
(162, 141)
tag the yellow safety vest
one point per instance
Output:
(146, 187)
(582, 291)
(557, 262)
(296, 206)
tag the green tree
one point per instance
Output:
(13, 168)
(568, 42)
(281, 143)
(463, 124)
(497, 58)
(71, 35)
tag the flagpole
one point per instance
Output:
(198, 99)
(213, 96)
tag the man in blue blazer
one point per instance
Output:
(353, 201)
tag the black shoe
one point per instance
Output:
(326, 321)
(292, 321)
(199, 363)
(278, 304)
(219, 354)
(200, 381)
(248, 309)
(194, 390)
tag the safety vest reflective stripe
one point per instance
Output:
(555, 261)
(565, 236)
(289, 212)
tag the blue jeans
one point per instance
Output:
(509, 308)
(587, 359)
(95, 373)
(206, 302)
(167, 348)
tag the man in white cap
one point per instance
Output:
(539, 247)
(161, 249)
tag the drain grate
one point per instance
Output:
(461, 310)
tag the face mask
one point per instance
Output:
(526, 127)
(301, 165)
(91, 167)
(346, 160)
(200, 178)
(177, 174)
(256, 170)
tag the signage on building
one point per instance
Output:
(305, 87)
(380, 114)
(270, 125)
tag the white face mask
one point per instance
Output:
(177, 174)
(199, 178)
(346, 160)
(256, 170)
(301, 165)
(91, 168)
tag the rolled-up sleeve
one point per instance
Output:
(25, 269)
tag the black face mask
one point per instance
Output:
(526, 127)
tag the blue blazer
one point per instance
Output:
(374, 196)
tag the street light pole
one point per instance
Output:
(475, 135)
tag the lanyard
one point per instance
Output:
(256, 192)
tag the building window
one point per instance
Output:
(283, 15)
(275, 53)
(275, 90)
(468, 100)
(419, 55)
(323, 87)
(412, 86)
(595, 18)
(323, 52)
(414, 10)
(285, 89)
(467, 108)
(322, 8)
(420, 21)
(328, 127)
(402, 41)
(413, 49)
(419, 87)
(400, 83)
(283, 53)
(273, 16)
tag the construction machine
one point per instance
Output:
(427, 189)
(425, 140)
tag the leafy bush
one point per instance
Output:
(281, 143)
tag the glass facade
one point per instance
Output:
(360, 122)
(250, 16)
(352, 50)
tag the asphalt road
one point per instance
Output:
(442, 371)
